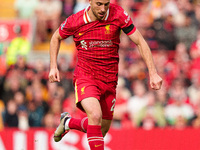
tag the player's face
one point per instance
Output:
(99, 8)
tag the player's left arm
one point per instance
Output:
(155, 79)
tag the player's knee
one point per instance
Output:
(95, 118)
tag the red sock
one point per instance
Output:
(79, 124)
(95, 137)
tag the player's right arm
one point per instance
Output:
(54, 49)
(66, 29)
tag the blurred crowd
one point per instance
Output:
(172, 30)
(48, 14)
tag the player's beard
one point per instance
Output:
(97, 16)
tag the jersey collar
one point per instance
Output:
(87, 19)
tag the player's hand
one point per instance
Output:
(54, 75)
(155, 81)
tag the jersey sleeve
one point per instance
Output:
(126, 22)
(66, 29)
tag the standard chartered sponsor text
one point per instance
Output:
(96, 44)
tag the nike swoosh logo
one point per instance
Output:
(97, 145)
(80, 34)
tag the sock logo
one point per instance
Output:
(97, 145)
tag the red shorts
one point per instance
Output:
(104, 92)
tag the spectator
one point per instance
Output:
(170, 8)
(164, 32)
(137, 70)
(48, 18)
(67, 8)
(126, 5)
(178, 91)
(195, 53)
(19, 46)
(25, 71)
(162, 96)
(196, 120)
(181, 61)
(51, 88)
(23, 118)
(48, 121)
(19, 98)
(178, 66)
(138, 101)
(22, 113)
(186, 31)
(178, 107)
(56, 110)
(40, 71)
(194, 89)
(35, 114)
(66, 75)
(151, 115)
(13, 84)
(37, 106)
(163, 63)
(38, 96)
(26, 8)
(10, 114)
(36, 85)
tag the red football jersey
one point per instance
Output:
(97, 42)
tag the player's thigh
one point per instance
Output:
(105, 126)
(92, 108)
